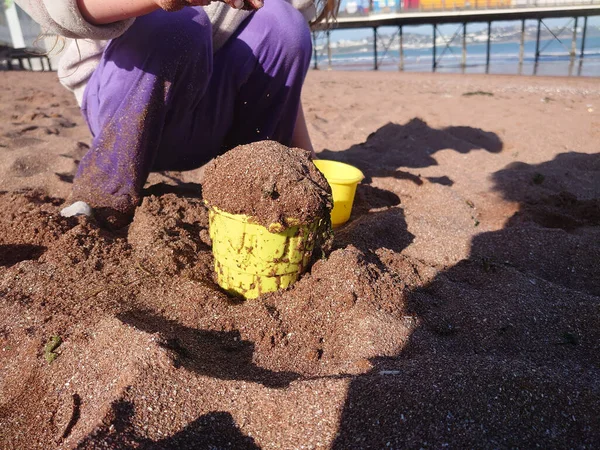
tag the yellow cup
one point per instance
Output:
(343, 179)
(250, 260)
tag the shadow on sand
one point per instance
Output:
(506, 353)
(412, 145)
(11, 254)
(216, 430)
(218, 354)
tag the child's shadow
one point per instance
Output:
(506, 350)
(412, 145)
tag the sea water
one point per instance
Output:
(504, 58)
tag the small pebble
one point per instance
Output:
(77, 209)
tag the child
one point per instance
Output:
(169, 84)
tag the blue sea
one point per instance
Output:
(504, 58)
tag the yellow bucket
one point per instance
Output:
(250, 260)
(343, 179)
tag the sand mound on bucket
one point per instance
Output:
(268, 181)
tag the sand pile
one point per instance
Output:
(460, 306)
(269, 182)
(124, 305)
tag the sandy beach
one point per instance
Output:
(459, 308)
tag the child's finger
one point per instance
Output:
(235, 4)
(199, 2)
(176, 5)
(248, 5)
(253, 4)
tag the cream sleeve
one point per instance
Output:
(63, 17)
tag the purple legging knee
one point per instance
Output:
(161, 100)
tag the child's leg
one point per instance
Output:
(163, 62)
(253, 94)
(157, 103)
(269, 84)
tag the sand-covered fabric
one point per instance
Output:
(459, 307)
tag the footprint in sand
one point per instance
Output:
(27, 166)
(17, 139)
(21, 142)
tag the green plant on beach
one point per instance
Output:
(50, 349)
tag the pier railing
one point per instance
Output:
(373, 8)
(515, 10)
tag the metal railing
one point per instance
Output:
(372, 8)
(380, 45)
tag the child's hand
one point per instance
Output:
(176, 5)
(248, 5)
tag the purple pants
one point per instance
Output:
(161, 100)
